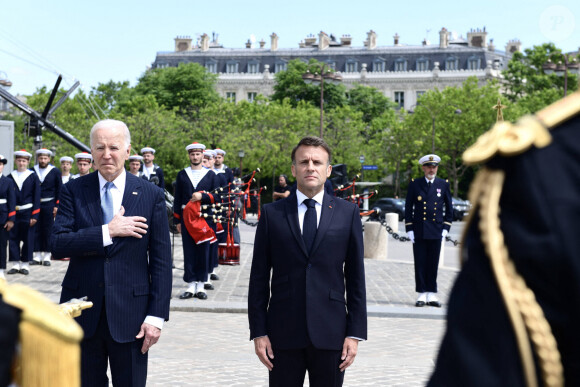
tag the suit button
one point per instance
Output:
(424, 213)
(433, 220)
(424, 218)
(435, 203)
(435, 207)
(424, 202)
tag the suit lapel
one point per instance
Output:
(132, 193)
(292, 218)
(327, 212)
(93, 197)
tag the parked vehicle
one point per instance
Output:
(460, 208)
(386, 205)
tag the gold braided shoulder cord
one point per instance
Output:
(526, 315)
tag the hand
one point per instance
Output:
(411, 236)
(264, 351)
(178, 227)
(54, 212)
(196, 196)
(9, 224)
(33, 222)
(151, 334)
(443, 235)
(124, 226)
(349, 350)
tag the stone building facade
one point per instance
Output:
(401, 72)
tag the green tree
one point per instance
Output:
(369, 101)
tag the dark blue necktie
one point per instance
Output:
(428, 186)
(310, 224)
(107, 203)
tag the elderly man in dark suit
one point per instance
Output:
(311, 244)
(114, 227)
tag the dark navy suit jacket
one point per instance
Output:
(132, 276)
(424, 208)
(308, 291)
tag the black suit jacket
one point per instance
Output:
(318, 297)
(132, 276)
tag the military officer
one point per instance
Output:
(65, 167)
(7, 212)
(428, 217)
(84, 164)
(50, 183)
(27, 211)
(151, 172)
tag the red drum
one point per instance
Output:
(229, 254)
(222, 253)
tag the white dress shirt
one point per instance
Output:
(302, 207)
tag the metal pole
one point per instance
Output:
(565, 74)
(322, 102)
(433, 140)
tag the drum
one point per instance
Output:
(229, 254)
(222, 253)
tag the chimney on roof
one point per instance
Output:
(396, 39)
(491, 46)
(371, 42)
(443, 38)
(323, 41)
(249, 44)
(513, 45)
(204, 44)
(262, 43)
(273, 42)
(183, 43)
(345, 40)
(310, 40)
(477, 38)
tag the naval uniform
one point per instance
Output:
(50, 183)
(155, 175)
(27, 207)
(7, 213)
(196, 256)
(424, 216)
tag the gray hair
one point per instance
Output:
(108, 124)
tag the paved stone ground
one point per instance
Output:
(211, 349)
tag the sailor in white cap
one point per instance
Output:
(194, 184)
(27, 211)
(135, 165)
(7, 212)
(221, 168)
(65, 167)
(84, 164)
(428, 217)
(208, 158)
(50, 183)
(151, 172)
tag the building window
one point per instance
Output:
(400, 65)
(351, 66)
(253, 67)
(211, 67)
(331, 65)
(280, 66)
(451, 64)
(400, 99)
(474, 64)
(422, 65)
(419, 94)
(231, 96)
(379, 65)
(251, 96)
(232, 67)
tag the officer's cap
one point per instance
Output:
(433, 160)
(3, 159)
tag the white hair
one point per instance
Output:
(110, 124)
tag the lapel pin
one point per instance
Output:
(135, 193)
(329, 206)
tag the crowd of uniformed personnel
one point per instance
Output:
(29, 199)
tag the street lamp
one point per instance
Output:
(325, 75)
(433, 116)
(562, 69)
(241, 155)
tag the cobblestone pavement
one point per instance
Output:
(212, 349)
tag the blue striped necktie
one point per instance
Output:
(107, 203)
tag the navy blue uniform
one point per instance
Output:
(424, 216)
(7, 213)
(156, 177)
(195, 256)
(27, 207)
(50, 185)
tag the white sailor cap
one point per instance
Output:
(209, 153)
(147, 149)
(44, 151)
(3, 159)
(430, 160)
(66, 158)
(22, 153)
(220, 151)
(195, 145)
(135, 158)
(84, 156)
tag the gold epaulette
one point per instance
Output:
(507, 139)
(49, 340)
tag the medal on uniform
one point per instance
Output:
(419, 198)
(439, 192)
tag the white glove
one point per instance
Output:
(411, 236)
(443, 235)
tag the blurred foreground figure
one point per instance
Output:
(513, 313)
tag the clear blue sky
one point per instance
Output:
(96, 41)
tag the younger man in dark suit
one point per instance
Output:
(312, 246)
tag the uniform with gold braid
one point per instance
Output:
(48, 339)
(513, 313)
